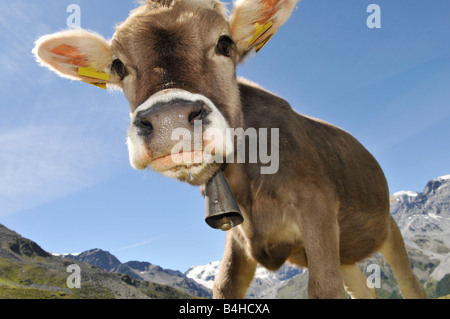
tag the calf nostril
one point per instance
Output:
(144, 125)
(196, 116)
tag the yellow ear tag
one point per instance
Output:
(260, 46)
(89, 72)
(259, 32)
(99, 85)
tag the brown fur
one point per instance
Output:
(326, 208)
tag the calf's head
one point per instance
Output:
(175, 61)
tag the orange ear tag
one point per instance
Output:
(89, 72)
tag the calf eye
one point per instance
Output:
(224, 45)
(119, 68)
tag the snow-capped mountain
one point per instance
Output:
(204, 274)
(265, 283)
(424, 220)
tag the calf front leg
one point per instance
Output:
(320, 232)
(235, 273)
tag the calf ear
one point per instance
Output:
(253, 22)
(68, 53)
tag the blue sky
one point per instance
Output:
(65, 179)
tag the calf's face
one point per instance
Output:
(175, 62)
(177, 66)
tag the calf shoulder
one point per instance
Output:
(315, 152)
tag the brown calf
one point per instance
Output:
(326, 204)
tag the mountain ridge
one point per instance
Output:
(29, 272)
(142, 270)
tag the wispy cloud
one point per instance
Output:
(142, 243)
(52, 142)
(41, 163)
(21, 22)
(153, 239)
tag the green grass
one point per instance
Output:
(13, 274)
(33, 293)
(32, 280)
(156, 291)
